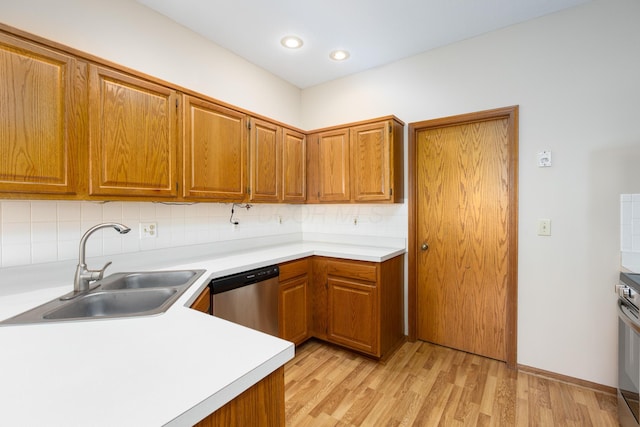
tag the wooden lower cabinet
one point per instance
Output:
(203, 302)
(293, 307)
(356, 304)
(353, 314)
(260, 405)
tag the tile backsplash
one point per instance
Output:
(630, 222)
(35, 231)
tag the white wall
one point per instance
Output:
(129, 34)
(576, 76)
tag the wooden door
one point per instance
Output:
(370, 162)
(41, 95)
(463, 230)
(294, 155)
(333, 166)
(133, 136)
(215, 151)
(265, 145)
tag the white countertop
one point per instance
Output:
(171, 369)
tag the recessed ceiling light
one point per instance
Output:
(291, 42)
(339, 55)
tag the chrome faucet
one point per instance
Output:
(84, 276)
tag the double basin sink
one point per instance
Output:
(118, 295)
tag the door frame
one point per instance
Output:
(511, 114)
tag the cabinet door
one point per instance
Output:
(42, 94)
(294, 175)
(133, 136)
(370, 162)
(333, 166)
(353, 314)
(265, 144)
(215, 151)
(294, 312)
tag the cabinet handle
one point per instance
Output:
(424, 247)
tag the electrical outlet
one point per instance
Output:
(544, 227)
(148, 230)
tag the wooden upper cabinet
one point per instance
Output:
(42, 93)
(377, 166)
(277, 163)
(133, 127)
(265, 145)
(359, 163)
(72, 128)
(333, 166)
(215, 151)
(370, 166)
(294, 175)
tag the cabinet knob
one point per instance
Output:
(424, 247)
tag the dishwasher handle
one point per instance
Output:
(238, 280)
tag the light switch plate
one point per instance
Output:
(544, 227)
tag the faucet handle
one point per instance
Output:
(99, 274)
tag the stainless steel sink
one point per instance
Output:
(118, 295)
(113, 304)
(152, 279)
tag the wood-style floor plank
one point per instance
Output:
(422, 384)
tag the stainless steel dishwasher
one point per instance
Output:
(249, 298)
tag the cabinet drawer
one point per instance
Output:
(293, 269)
(359, 270)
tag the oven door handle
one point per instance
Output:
(628, 317)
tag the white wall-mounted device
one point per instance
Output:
(544, 159)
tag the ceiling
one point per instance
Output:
(375, 32)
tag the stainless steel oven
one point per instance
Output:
(629, 350)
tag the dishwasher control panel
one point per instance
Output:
(232, 281)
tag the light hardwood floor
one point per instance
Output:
(427, 385)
